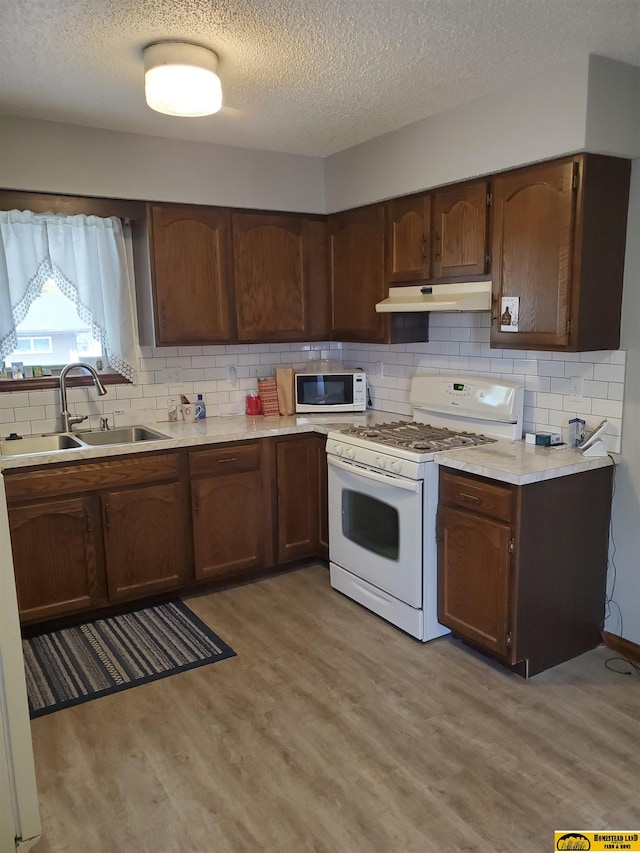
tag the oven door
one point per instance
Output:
(375, 528)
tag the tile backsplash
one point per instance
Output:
(459, 343)
(223, 374)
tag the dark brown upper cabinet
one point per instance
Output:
(408, 239)
(559, 232)
(356, 250)
(279, 263)
(459, 231)
(358, 281)
(190, 253)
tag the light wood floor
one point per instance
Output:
(333, 731)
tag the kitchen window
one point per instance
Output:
(26, 345)
(52, 334)
(66, 291)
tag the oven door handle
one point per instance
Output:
(368, 474)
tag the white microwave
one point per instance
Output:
(336, 391)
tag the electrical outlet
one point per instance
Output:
(233, 375)
(172, 376)
(255, 370)
(575, 388)
(380, 368)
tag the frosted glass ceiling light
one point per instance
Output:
(181, 79)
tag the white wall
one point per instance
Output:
(48, 157)
(626, 504)
(535, 120)
(589, 104)
(613, 109)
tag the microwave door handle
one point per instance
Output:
(368, 474)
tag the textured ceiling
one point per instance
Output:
(299, 76)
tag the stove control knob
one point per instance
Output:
(381, 461)
(338, 449)
(349, 453)
(396, 466)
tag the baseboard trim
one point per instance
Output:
(619, 644)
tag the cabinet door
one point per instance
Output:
(473, 577)
(534, 213)
(460, 231)
(408, 229)
(356, 244)
(190, 273)
(270, 276)
(228, 524)
(297, 485)
(55, 560)
(145, 542)
(323, 504)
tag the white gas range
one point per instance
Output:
(383, 493)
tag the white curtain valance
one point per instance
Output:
(87, 258)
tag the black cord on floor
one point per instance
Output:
(635, 669)
(610, 603)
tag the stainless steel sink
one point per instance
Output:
(78, 440)
(120, 435)
(39, 444)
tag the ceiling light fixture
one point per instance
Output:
(180, 79)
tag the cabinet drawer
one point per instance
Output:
(70, 479)
(233, 459)
(476, 495)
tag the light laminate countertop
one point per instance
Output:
(510, 462)
(208, 431)
(518, 462)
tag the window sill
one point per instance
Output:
(42, 382)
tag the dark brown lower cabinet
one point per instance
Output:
(301, 501)
(296, 471)
(320, 442)
(54, 550)
(475, 603)
(230, 511)
(144, 540)
(522, 569)
(86, 535)
(228, 533)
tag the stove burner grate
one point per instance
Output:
(420, 437)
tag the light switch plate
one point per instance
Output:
(172, 376)
(576, 388)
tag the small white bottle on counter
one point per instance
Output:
(172, 411)
(201, 408)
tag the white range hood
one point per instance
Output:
(468, 296)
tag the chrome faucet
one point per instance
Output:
(68, 420)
